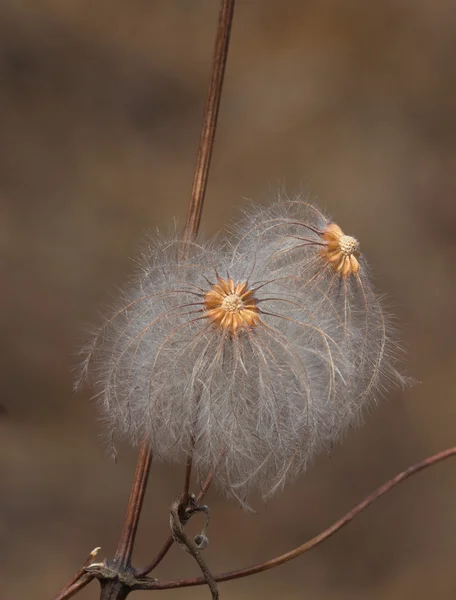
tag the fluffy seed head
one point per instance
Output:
(312, 254)
(212, 353)
(250, 357)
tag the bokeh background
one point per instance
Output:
(100, 109)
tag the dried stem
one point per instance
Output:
(321, 537)
(138, 491)
(79, 581)
(188, 475)
(71, 589)
(209, 126)
(169, 542)
(115, 589)
(178, 517)
(124, 549)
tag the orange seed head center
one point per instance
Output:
(341, 251)
(232, 306)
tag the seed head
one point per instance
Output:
(252, 356)
(312, 253)
(212, 354)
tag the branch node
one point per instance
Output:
(108, 570)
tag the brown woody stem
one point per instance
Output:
(209, 126)
(80, 579)
(74, 587)
(138, 491)
(169, 542)
(321, 537)
(115, 589)
(125, 547)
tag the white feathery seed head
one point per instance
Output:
(213, 352)
(251, 356)
(313, 254)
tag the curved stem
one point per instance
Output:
(169, 542)
(177, 519)
(321, 537)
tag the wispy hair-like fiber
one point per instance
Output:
(312, 253)
(213, 352)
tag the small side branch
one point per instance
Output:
(80, 579)
(70, 590)
(169, 542)
(178, 517)
(321, 537)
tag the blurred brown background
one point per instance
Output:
(100, 109)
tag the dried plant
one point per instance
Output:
(243, 359)
(215, 355)
(312, 253)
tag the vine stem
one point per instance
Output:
(113, 589)
(169, 542)
(80, 579)
(73, 588)
(318, 539)
(195, 208)
(138, 491)
(209, 126)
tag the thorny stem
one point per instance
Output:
(318, 539)
(169, 542)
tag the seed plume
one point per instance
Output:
(239, 369)
(252, 355)
(313, 256)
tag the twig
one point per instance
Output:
(138, 491)
(115, 588)
(321, 537)
(80, 579)
(198, 193)
(178, 517)
(70, 590)
(169, 542)
(188, 474)
(122, 557)
(209, 126)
